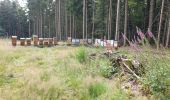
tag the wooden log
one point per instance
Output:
(55, 41)
(35, 39)
(14, 40)
(28, 40)
(22, 41)
(41, 40)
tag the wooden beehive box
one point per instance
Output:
(50, 41)
(55, 41)
(35, 39)
(46, 42)
(22, 41)
(89, 41)
(41, 40)
(14, 40)
(28, 40)
(69, 41)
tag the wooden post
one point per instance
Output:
(14, 40)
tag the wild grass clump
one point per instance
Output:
(97, 89)
(81, 54)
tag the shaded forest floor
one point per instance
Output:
(66, 73)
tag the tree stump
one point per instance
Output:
(28, 40)
(22, 41)
(14, 40)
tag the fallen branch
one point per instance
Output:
(130, 70)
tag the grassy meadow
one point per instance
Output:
(67, 73)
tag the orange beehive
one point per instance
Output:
(55, 41)
(50, 41)
(22, 41)
(46, 42)
(35, 39)
(69, 41)
(14, 40)
(28, 40)
(41, 40)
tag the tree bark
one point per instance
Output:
(84, 9)
(160, 24)
(117, 20)
(151, 12)
(168, 34)
(126, 20)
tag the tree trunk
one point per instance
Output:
(84, 9)
(151, 12)
(93, 20)
(160, 24)
(86, 20)
(126, 22)
(117, 20)
(168, 34)
(110, 20)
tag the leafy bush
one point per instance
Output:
(81, 55)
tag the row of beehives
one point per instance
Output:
(36, 41)
(97, 42)
(53, 41)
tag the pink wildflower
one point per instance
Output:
(149, 33)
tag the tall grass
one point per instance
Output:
(81, 54)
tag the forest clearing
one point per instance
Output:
(84, 49)
(73, 73)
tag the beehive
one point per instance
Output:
(46, 42)
(50, 41)
(22, 41)
(81, 41)
(55, 41)
(28, 40)
(41, 40)
(14, 40)
(89, 41)
(35, 39)
(69, 41)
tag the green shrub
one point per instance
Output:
(96, 90)
(81, 55)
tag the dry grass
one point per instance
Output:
(31, 73)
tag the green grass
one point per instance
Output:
(67, 73)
